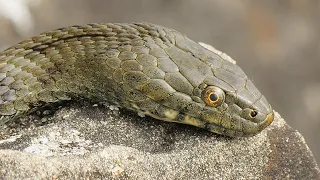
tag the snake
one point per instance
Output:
(142, 67)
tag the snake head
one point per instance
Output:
(233, 106)
(211, 92)
(231, 110)
(200, 87)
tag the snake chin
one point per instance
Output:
(236, 126)
(233, 122)
(240, 127)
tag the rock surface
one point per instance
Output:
(85, 141)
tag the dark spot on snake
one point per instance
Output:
(253, 113)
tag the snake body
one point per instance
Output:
(142, 67)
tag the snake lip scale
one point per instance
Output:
(141, 67)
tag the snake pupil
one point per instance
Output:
(213, 97)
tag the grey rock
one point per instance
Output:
(81, 141)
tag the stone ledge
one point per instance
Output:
(98, 142)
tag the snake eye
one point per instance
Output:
(253, 113)
(213, 96)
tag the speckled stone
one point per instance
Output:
(85, 141)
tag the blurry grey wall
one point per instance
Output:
(277, 43)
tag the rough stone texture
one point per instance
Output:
(85, 141)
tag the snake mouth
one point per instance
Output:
(259, 126)
(232, 124)
(269, 119)
(240, 127)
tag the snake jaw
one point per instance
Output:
(234, 125)
(269, 119)
(233, 117)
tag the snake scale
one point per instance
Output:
(142, 67)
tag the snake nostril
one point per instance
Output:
(253, 113)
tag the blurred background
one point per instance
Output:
(277, 43)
